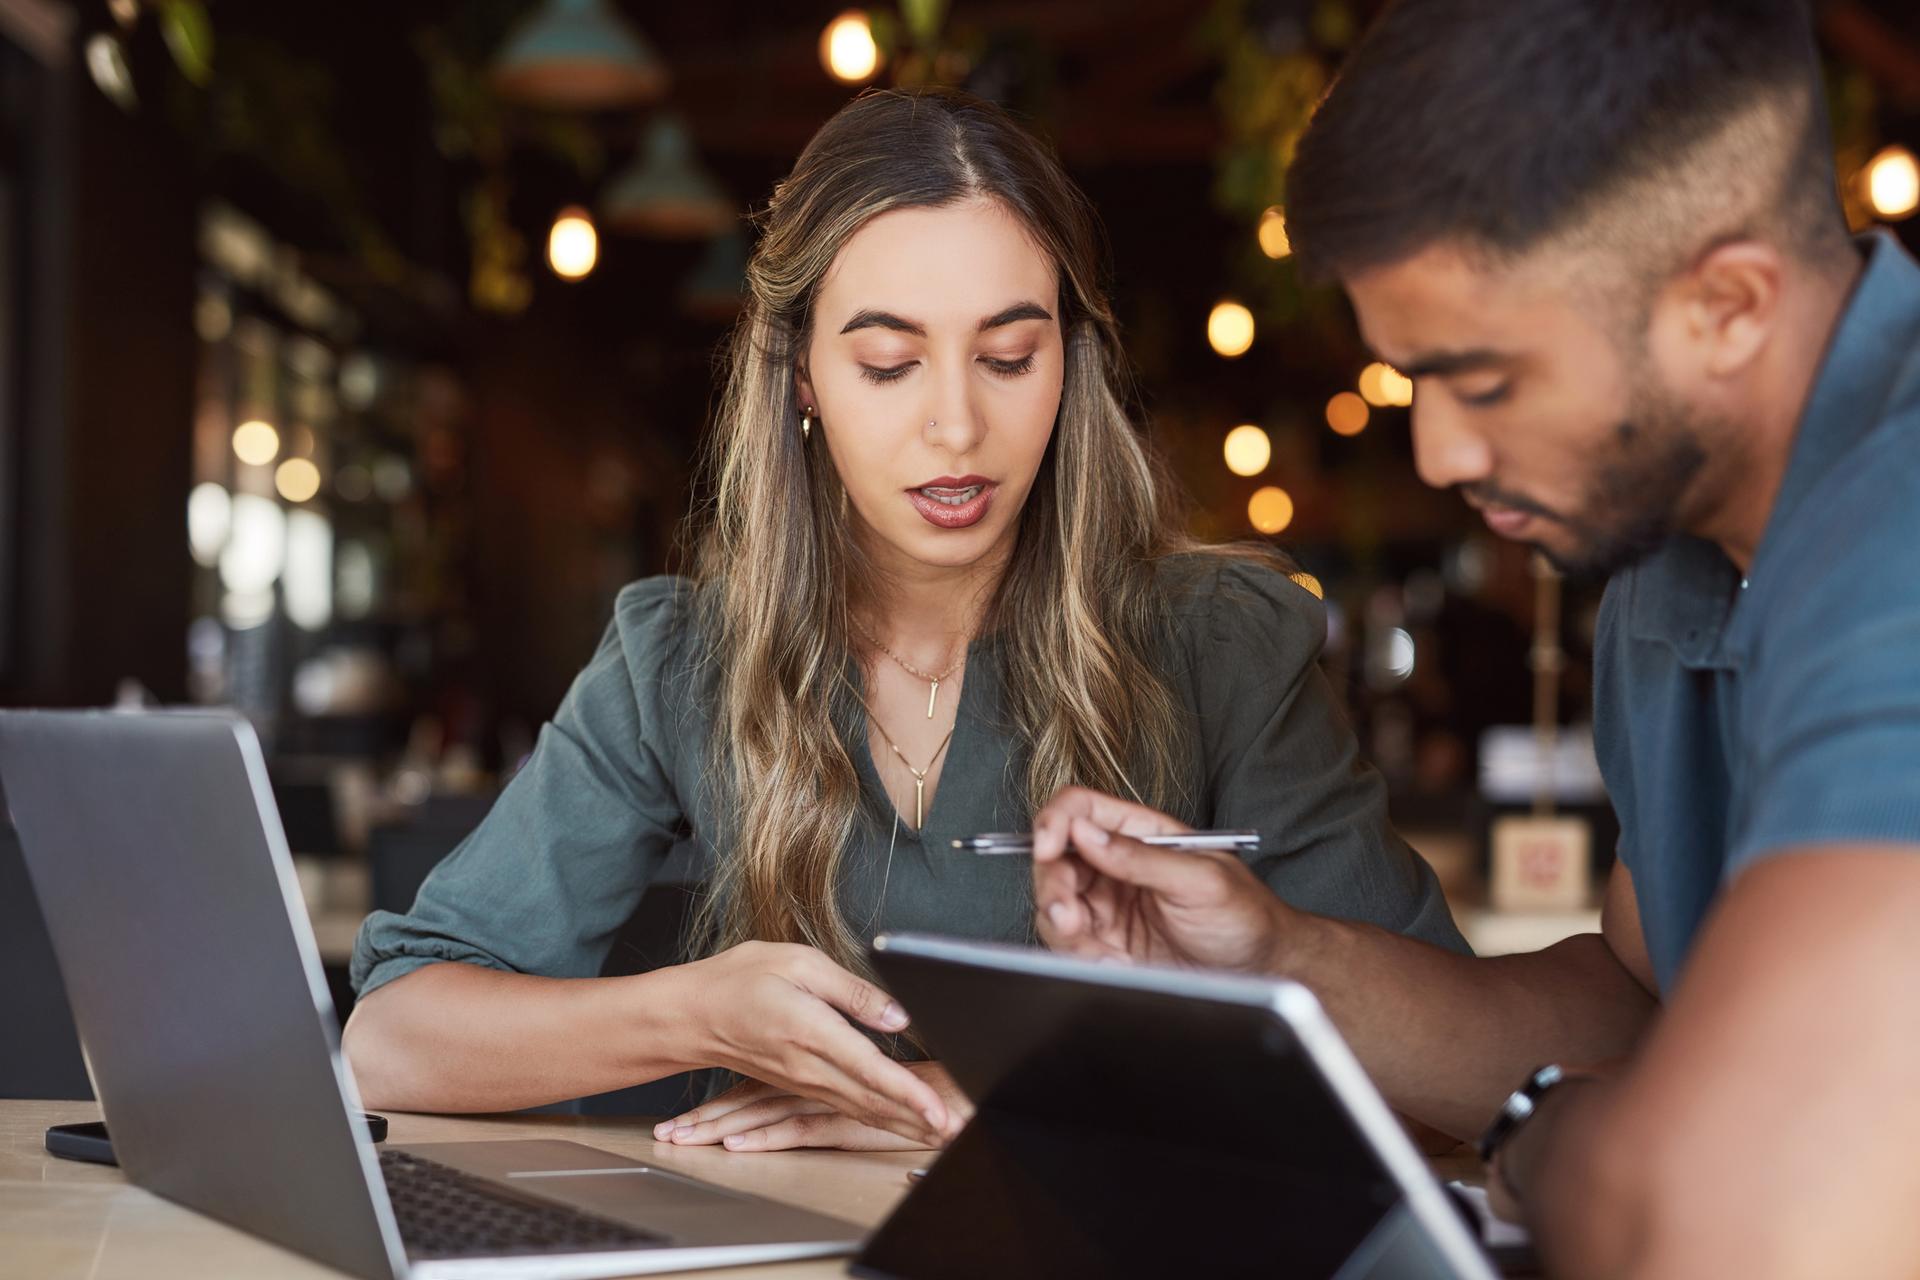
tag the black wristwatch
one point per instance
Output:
(1519, 1108)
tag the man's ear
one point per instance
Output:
(1729, 305)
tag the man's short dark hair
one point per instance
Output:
(1503, 123)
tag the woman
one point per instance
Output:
(934, 585)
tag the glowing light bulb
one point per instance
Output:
(1248, 450)
(1396, 386)
(1893, 183)
(1273, 233)
(573, 246)
(1383, 386)
(1270, 509)
(1370, 388)
(255, 442)
(1347, 414)
(847, 48)
(1230, 329)
(297, 479)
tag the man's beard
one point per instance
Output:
(1632, 505)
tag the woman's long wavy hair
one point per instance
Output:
(1080, 625)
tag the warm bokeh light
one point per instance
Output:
(1270, 509)
(1369, 383)
(847, 49)
(1383, 386)
(297, 479)
(1397, 387)
(307, 580)
(1230, 329)
(1310, 583)
(1893, 183)
(209, 516)
(1347, 414)
(1273, 233)
(573, 246)
(255, 442)
(256, 545)
(1248, 450)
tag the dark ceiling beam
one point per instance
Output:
(1856, 32)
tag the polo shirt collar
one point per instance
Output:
(1683, 594)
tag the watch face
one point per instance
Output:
(1518, 1107)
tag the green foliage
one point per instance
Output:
(189, 35)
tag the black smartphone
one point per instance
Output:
(88, 1140)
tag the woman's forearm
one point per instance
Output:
(462, 1037)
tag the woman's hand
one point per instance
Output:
(756, 1116)
(777, 1012)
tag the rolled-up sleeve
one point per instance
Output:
(545, 882)
(1281, 758)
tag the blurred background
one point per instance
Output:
(352, 355)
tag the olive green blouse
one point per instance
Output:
(615, 796)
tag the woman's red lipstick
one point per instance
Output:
(953, 502)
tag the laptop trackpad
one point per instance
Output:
(579, 1174)
(616, 1191)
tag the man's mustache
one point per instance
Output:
(1486, 495)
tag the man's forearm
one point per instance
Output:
(1447, 1037)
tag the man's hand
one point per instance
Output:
(1100, 893)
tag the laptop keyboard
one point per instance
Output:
(444, 1213)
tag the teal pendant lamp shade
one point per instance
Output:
(578, 55)
(718, 285)
(665, 193)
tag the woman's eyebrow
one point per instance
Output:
(872, 319)
(1018, 311)
(884, 320)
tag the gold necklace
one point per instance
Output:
(919, 775)
(934, 681)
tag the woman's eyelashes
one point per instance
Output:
(883, 374)
(876, 374)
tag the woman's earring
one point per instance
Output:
(806, 423)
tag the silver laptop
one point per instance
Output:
(158, 859)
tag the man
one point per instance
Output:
(1602, 236)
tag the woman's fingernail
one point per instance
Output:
(1090, 834)
(1057, 912)
(735, 1142)
(662, 1129)
(893, 1016)
(682, 1131)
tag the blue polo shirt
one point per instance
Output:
(1735, 720)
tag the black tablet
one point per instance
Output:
(1137, 1121)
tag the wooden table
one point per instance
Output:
(63, 1220)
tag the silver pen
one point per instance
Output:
(1011, 843)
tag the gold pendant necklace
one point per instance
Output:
(933, 681)
(919, 775)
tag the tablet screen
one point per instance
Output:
(1126, 1132)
